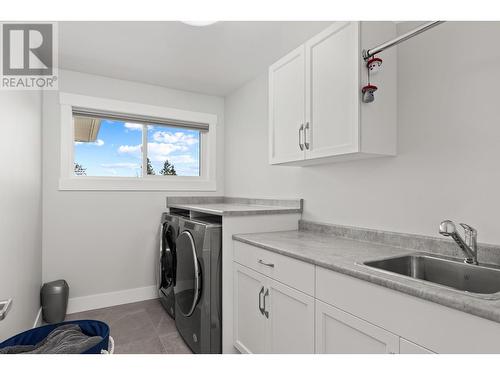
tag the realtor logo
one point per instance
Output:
(29, 58)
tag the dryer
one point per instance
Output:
(166, 262)
(198, 287)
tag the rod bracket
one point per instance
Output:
(365, 55)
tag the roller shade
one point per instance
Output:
(148, 120)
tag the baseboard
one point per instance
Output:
(38, 319)
(120, 297)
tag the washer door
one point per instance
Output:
(167, 257)
(188, 283)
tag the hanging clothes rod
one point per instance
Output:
(391, 43)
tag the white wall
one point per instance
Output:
(20, 207)
(106, 241)
(448, 144)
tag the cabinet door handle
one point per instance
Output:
(261, 309)
(305, 135)
(266, 313)
(266, 264)
(301, 129)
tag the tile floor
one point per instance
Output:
(139, 328)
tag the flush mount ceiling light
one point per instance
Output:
(199, 23)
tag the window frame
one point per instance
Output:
(68, 181)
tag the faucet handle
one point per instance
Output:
(468, 229)
(470, 236)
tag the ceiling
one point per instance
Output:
(215, 59)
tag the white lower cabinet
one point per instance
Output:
(408, 347)
(285, 305)
(338, 332)
(270, 317)
(250, 330)
(291, 318)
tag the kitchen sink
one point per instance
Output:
(478, 279)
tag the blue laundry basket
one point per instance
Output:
(88, 327)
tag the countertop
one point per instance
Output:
(224, 206)
(346, 256)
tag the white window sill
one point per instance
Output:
(158, 183)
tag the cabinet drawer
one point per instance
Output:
(289, 271)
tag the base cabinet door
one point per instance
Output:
(291, 318)
(408, 347)
(338, 332)
(250, 329)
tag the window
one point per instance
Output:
(104, 147)
(173, 151)
(125, 151)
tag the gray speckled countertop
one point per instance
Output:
(227, 206)
(232, 209)
(346, 256)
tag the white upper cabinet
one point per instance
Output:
(315, 109)
(286, 100)
(332, 99)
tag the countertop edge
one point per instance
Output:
(264, 211)
(378, 279)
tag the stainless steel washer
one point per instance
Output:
(198, 289)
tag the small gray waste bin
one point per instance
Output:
(54, 298)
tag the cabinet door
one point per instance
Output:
(338, 332)
(250, 331)
(332, 91)
(291, 317)
(408, 347)
(286, 107)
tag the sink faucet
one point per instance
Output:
(468, 244)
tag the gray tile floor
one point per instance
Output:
(139, 328)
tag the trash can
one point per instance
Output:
(54, 298)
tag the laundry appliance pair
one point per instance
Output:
(189, 279)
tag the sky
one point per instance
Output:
(117, 150)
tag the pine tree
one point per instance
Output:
(150, 168)
(80, 170)
(168, 169)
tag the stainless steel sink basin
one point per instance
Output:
(481, 280)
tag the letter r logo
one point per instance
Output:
(27, 49)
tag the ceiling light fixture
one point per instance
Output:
(199, 23)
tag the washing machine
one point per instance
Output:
(198, 286)
(166, 266)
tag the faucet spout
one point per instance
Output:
(468, 245)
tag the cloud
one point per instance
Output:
(121, 166)
(132, 126)
(99, 142)
(179, 138)
(161, 151)
(133, 150)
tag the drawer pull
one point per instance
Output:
(266, 264)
